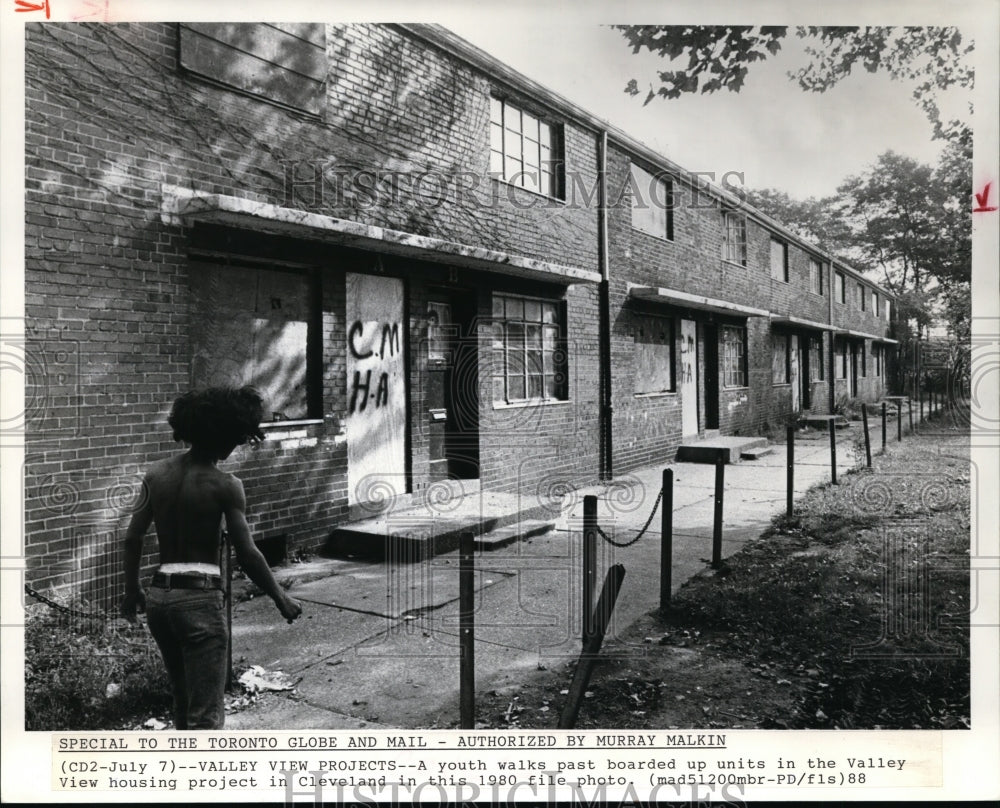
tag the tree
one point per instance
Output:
(935, 58)
(906, 223)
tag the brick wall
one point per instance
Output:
(110, 120)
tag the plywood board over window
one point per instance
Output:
(251, 326)
(282, 62)
(654, 355)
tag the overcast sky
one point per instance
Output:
(776, 134)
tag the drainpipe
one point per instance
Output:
(832, 376)
(605, 470)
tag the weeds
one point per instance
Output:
(90, 674)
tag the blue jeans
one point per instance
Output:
(189, 626)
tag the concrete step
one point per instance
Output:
(757, 452)
(709, 450)
(503, 536)
(417, 533)
(821, 422)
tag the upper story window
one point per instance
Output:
(652, 203)
(816, 276)
(841, 282)
(734, 370)
(529, 354)
(874, 302)
(779, 260)
(888, 309)
(862, 296)
(525, 150)
(734, 244)
(282, 62)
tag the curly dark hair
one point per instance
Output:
(217, 418)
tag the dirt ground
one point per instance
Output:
(851, 614)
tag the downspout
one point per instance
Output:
(832, 377)
(604, 313)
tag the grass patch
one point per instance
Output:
(90, 674)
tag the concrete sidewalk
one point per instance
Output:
(377, 644)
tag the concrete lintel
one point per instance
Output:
(674, 297)
(184, 206)
(847, 332)
(790, 320)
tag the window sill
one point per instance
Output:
(534, 402)
(539, 194)
(781, 384)
(659, 394)
(735, 389)
(664, 239)
(733, 263)
(284, 424)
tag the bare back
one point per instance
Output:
(188, 499)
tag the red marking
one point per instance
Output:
(982, 199)
(24, 5)
(98, 8)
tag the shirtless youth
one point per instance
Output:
(188, 497)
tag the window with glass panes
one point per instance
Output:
(524, 150)
(734, 248)
(733, 356)
(528, 353)
(816, 276)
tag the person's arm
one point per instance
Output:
(251, 559)
(141, 519)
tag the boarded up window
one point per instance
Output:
(654, 355)
(283, 62)
(779, 359)
(779, 260)
(840, 358)
(816, 369)
(251, 326)
(652, 203)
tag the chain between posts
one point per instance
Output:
(641, 533)
(66, 609)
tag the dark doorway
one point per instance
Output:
(805, 375)
(452, 399)
(711, 377)
(853, 347)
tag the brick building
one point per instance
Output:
(434, 268)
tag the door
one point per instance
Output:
(794, 371)
(452, 396)
(853, 371)
(805, 372)
(376, 388)
(711, 365)
(689, 379)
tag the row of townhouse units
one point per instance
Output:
(431, 266)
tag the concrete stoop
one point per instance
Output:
(416, 533)
(731, 449)
(821, 422)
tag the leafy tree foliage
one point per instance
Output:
(934, 58)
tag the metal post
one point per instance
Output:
(589, 563)
(592, 646)
(720, 481)
(790, 468)
(909, 407)
(466, 629)
(833, 452)
(899, 422)
(227, 563)
(666, 538)
(920, 397)
(868, 440)
(883, 426)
